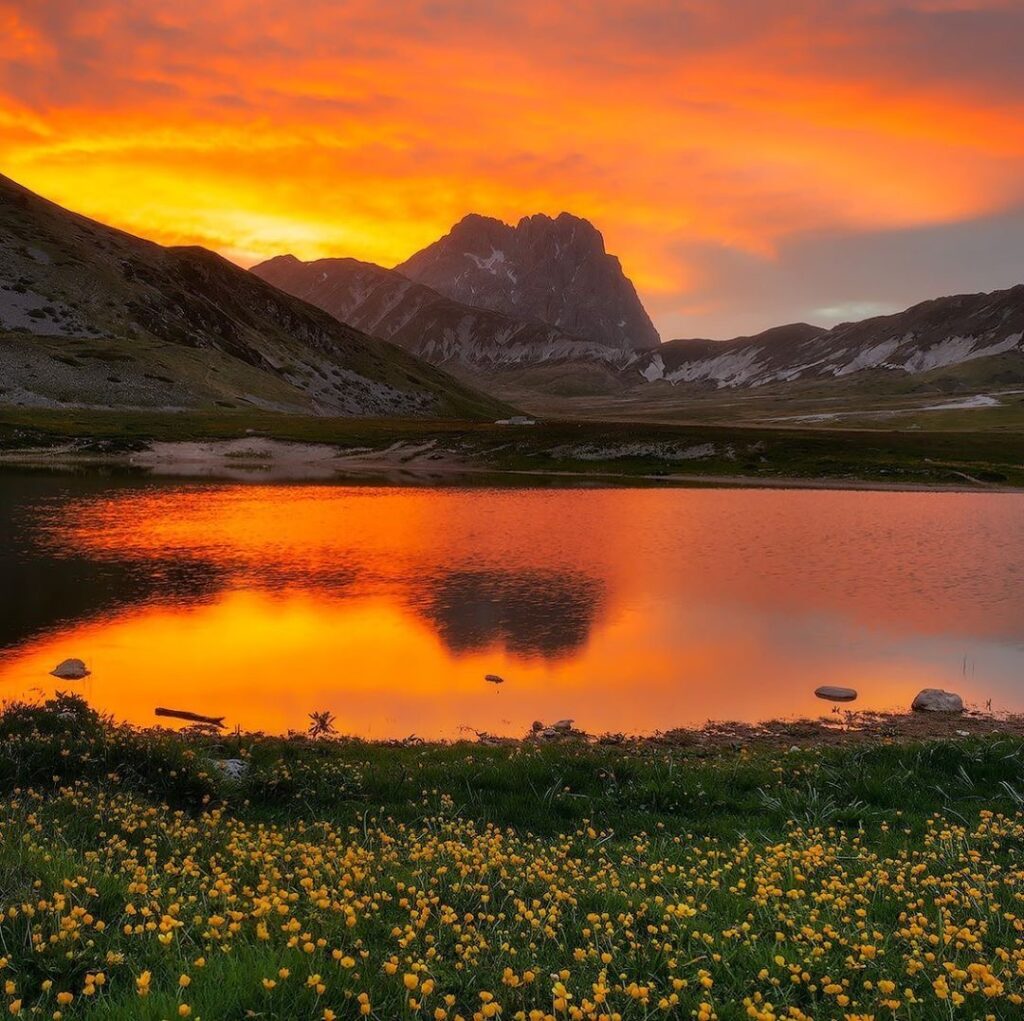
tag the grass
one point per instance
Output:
(342, 879)
(892, 456)
(867, 401)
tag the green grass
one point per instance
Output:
(871, 401)
(18, 427)
(643, 880)
(767, 454)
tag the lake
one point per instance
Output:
(627, 610)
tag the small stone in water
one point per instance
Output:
(70, 670)
(494, 679)
(835, 694)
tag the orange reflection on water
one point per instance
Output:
(625, 610)
(267, 661)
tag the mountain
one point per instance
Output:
(417, 318)
(940, 337)
(697, 359)
(92, 316)
(552, 270)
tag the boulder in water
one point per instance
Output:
(70, 670)
(935, 700)
(494, 679)
(833, 694)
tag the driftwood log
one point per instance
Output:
(183, 714)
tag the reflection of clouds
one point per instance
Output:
(530, 570)
(41, 595)
(536, 595)
(627, 609)
(266, 660)
(45, 588)
(531, 613)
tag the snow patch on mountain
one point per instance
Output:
(655, 369)
(733, 369)
(869, 358)
(966, 403)
(932, 336)
(956, 350)
(492, 262)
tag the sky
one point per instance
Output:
(750, 162)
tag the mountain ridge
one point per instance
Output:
(92, 316)
(938, 333)
(419, 319)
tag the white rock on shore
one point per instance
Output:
(233, 769)
(935, 700)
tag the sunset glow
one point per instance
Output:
(711, 142)
(388, 606)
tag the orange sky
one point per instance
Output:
(720, 145)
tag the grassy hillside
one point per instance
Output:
(92, 316)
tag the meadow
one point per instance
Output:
(342, 879)
(965, 453)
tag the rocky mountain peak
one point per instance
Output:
(553, 270)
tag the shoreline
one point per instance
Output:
(838, 729)
(261, 459)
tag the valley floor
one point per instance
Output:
(279, 447)
(146, 874)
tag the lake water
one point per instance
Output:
(625, 609)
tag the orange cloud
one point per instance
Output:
(366, 129)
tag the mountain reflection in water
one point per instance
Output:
(629, 610)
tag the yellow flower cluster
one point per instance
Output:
(159, 913)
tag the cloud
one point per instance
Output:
(704, 137)
(827, 277)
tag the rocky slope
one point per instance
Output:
(91, 316)
(541, 308)
(552, 270)
(386, 304)
(982, 334)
